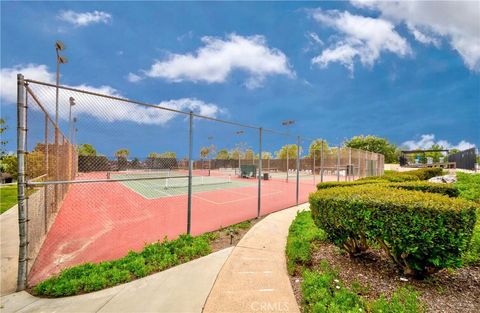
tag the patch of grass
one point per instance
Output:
(8, 197)
(404, 300)
(469, 186)
(303, 233)
(472, 254)
(154, 257)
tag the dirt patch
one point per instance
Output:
(448, 291)
(230, 236)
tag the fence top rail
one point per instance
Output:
(127, 100)
(139, 103)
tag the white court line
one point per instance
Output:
(238, 200)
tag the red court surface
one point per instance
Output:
(103, 221)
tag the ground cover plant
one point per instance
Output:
(153, 258)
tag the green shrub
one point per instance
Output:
(426, 173)
(444, 189)
(302, 235)
(421, 232)
(333, 184)
(391, 176)
(468, 186)
(155, 257)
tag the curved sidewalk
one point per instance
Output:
(254, 278)
(182, 288)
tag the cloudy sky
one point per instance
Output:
(408, 71)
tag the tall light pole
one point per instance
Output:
(240, 132)
(59, 46)
(287, 124)
(70, 127)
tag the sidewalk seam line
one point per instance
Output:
(216, 277)
(106, 302)
(37, 299)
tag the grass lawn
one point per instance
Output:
(8, 197)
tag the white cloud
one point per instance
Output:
(84, 18)
(103, 109)
(133, 78)
(214, 62)
(426, 141)
(362, 38)
(456, 21)
(422, 37)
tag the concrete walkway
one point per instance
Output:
(9, 250)
(183, 288)
(254, 278)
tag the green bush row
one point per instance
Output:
(444, 189)
(468, 186)
(302, 236)
(421, 232)
(393, 176)
(155, 257)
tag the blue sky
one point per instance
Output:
(409, 72)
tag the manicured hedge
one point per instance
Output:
(393, 176)
(333, 184)
(421, 232)
(444, 189)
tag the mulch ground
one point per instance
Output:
(227, 238)
(448, 291)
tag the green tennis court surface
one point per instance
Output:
(169, 186)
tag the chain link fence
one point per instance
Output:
(164, 172)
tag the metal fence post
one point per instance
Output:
(190, 160)
(321, 162)
(21, 183)
(298, 166)
(45, 190)
(314, 165)
(366, 163)
(259, 173)
(338, 163)
(359, 163)
(350, 167)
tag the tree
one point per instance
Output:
(222, 154)
(122, 153)
(265, 156)
(453, 151)
(315, 148)
(3, 128)
(435, 155)
(374, 144)
(164, 155)
(236, 154)
(249, 154)
(204, 151)
(87, 149)
(8, 164)
(291, 149)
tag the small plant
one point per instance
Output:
(403, 301)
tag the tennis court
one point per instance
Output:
(168, 183)
(98, 206)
